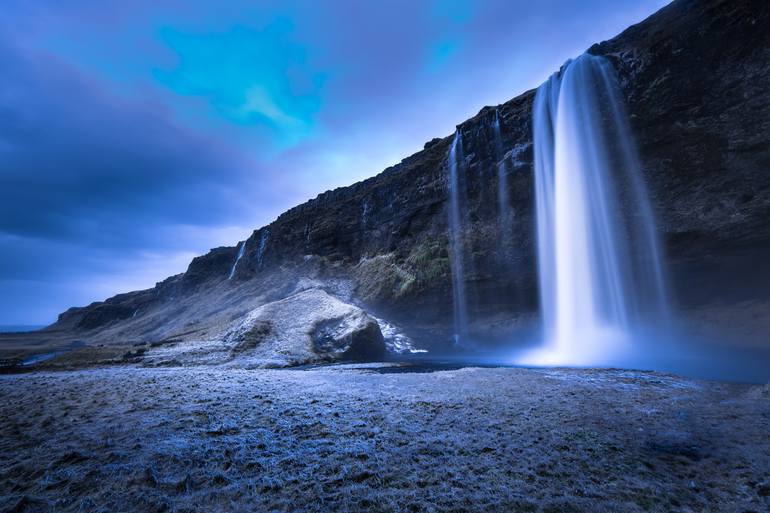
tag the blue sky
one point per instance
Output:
(136, 135)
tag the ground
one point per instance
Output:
(381, 437)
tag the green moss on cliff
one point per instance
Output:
(381, 277)
(429, 261)
(389, 277)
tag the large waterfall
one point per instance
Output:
(599, 264)
(454, 163)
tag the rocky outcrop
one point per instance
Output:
(308, 327)
(696, 80)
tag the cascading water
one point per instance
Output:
(237, 259)
(454, 163)
(263, 238)
(365, 209)
(598, 257)
(502, 176)
(504, 211)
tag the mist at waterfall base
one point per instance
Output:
(603, 297)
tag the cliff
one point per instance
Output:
(696, 80)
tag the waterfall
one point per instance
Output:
(237, 259)
(503, 201)
(455, 164)
(504, 211)
(598, 255)
(263, 238)
(365, 208)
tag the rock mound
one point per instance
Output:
(308, 327)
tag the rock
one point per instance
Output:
(696, 81)
(308, 327)
(356, 336)
(103, 314)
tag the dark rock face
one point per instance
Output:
(217, 263)
(103, 314)
(697, 81)
(364, 342)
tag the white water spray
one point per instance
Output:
(599, 264)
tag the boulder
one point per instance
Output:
(311, 326)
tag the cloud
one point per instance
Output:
(79, 162)
(96, 189)
(40, 278)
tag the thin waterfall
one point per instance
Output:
(241, 248)
(599, 265)
(650, 268)
(503, 201)
(504, 211)
(455, 163)
(508, 254)
(263, 238)
(365, 209)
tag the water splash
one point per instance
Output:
(454, 163)
(237, 259)
(396, 341)
(598, 256)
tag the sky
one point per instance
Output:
(137, 135)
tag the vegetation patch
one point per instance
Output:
(252, 338)
(390, 277)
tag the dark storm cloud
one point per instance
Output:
(100, 194)
(76, 162)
